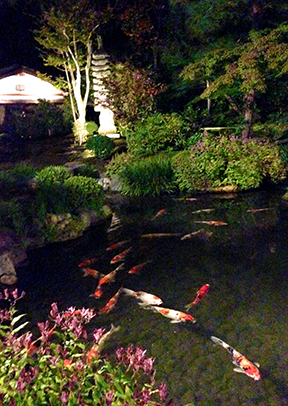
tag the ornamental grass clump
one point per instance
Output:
(60, 367)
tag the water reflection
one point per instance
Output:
(244, 262)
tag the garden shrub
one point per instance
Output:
(158, 132)
(222, 161)
(101, 145)
(149, 176)
(18, 177)
(118, 163)
(83, 192)
(64, 365)
(91, 127)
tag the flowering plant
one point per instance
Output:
(60, 368)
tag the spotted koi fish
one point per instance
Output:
(211, 222)
(257, 210)
(147, 299)
(243, 365)
(87, 262)
(97, 348)
(92, 272)
(111, 303)
(160, 235)
(199, 296)
(176, 315)
(117, 245)
(121, 256)
(110, 277)
(137, 268)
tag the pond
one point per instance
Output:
(243, 259)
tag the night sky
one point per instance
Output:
(17, 44)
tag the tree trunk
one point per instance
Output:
(248, 113)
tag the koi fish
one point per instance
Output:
(176, 315)
(160, 235)
(117, 245)
(115, 223)
(199, 296)
(98, 292)
(111, 303)
(243, 365)
(159, 213)
(147, 299)
(257, 210)
(110, 277)
(187, 199)
(92, 272)
(211, 222)
(138, 268)
(202, 233)
(202, 211)
(88, 262)
(121, 256)
(96, 348)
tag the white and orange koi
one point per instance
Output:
(199, 296)
(159, 213)
(111, 303)
(211, 222)
(92, 272)
(257, 210)
(243, 365)
(121, 256)
(110, 277)
(97, 348)
(176, 315)
(117, 245)
(202, 233)
(147, 299)
(202, 211)
(137, 268)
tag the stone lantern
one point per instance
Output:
(100, 70)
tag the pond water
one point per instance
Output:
(244, 261)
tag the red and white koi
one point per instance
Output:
(202, 211)
(98, 292)
(121, 256)
(211, 222)
(137, 268)
(110, 277)
(176, 315)
(92, 272)
(111, 303)
(147, 299)
(243, 365)
(117, 245)
(202, 292)
(159, 213)
(97, 348)
(257, 210)
(202, 233)
(87, 262)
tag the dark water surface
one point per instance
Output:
(245, 262)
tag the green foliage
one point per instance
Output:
(101, 145)
(224, 161)
(149, 176)
(52, 175)
(60, 367)
(118, 163)
(41, 120)
(83, 192)
(159, 132)
(13, 180)
(132, 93)
(91, 127)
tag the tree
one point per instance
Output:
(66, 34)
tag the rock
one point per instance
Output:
(10, 242)
(7, 270)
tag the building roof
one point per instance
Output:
(21, 85)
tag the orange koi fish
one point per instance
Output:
(117, 245)
(211, 222)
(138, 268)
(160, 235)
(96, 348)
(257, 210)
(111, 303)
(147, 299)
(98, 292)
(176, 315)
(199, 296)
(92, 272)
(243, 365)
(159, 213)
(121, 256)
(88, 262)
(110, 277)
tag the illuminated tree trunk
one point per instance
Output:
(248, 113)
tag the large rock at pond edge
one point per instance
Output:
(7, 270)
(10, 242)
